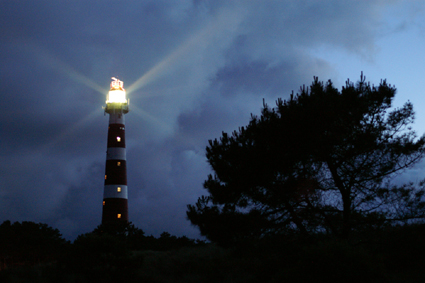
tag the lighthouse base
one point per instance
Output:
(115, 211)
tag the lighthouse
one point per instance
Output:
(115, 194)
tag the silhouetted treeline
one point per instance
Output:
(29, 243)
(105, 252)
(38, 253)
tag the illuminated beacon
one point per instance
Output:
(115, 196)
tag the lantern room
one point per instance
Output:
(117, 92)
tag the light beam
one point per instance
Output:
(225, 20)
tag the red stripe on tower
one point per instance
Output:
(115, 196)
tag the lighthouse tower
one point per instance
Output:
(115, 196)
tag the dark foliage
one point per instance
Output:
(112, 253)
(35, 252)
(29, 243)
(390, 254)
(320, 162)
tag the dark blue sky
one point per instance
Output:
(192, 69)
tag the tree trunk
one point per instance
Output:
(346, 214)
(346, 200)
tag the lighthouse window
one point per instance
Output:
(118, 139)
(119, 189)
(119, 215)
(103, 202)
(118, 163)
(106, 176)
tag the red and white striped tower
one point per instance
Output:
(115, 196)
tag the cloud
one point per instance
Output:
(192, 70)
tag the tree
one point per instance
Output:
(105, 254)
(321, 161)
(127, 233)
(29, 243)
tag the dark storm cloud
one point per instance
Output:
(199, 68)
(269, 79)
